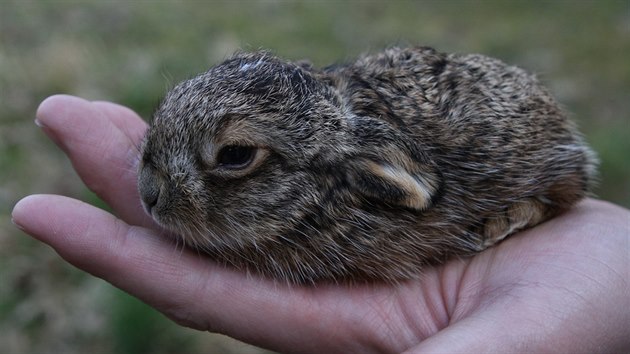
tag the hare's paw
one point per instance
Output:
(520, 215)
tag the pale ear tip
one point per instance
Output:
(419, 204)
(421, 200)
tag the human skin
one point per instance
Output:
(559, 287)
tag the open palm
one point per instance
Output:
(562, 286)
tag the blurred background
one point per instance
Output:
(132, 52)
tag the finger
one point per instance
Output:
(102, 141)
(194, 291)
(120, 116)
(131, 258)
(99, 243)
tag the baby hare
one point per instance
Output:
(367, 171)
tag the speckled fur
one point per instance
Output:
(370, 171)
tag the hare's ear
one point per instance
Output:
(390, 167)
(410, 185)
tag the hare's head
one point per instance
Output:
(257, 149)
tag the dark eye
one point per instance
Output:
(236, 157)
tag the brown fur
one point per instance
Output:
(370, 170)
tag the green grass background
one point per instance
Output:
(131, 52)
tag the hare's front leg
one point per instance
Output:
(519, 215)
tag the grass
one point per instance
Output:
(132, 52)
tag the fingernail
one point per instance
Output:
(38, 123)
(17, 225)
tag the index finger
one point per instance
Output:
(102, 141)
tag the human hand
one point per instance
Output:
(562, 286)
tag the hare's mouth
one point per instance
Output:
(191, 234)
(191, 231)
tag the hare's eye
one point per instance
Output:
(235, 157)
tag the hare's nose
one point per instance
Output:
(150, 199)
(149, 189)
